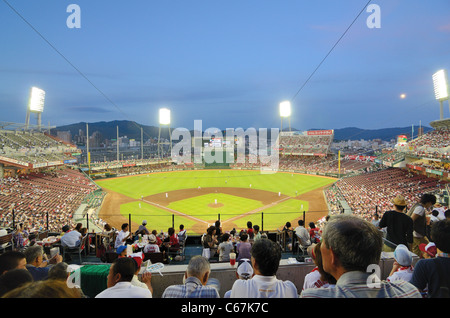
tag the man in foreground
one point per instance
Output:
(351, 250)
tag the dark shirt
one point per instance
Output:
(426, 274)
(399, 228)
(38, 273)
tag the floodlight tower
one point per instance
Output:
(164, 120)
(441, 89)
(285, 111)
(35, 105)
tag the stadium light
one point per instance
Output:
(37, 98)
(285, 109)
(164, 116)
(441, 89)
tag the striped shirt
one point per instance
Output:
(192, 288)
(357, 284)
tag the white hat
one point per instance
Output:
(144, 222)
(402, 255)
(245, 269)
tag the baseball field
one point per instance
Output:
(197, 198)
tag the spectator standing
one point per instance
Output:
(194, 282)
(350, 246)
(419, 217)
(119, 284)
(434, 273)
(265, 259)
(399, 226)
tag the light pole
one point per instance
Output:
(164, 120)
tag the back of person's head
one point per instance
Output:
(435, 212)
(171, 231)
(107, 227)
(312, 225)
(124, 226)
(65, 228)
(256, 228)
(126, 267)
(58, 271)
(267, 256)
(198, 266)
(440, 235)
(249, 225)
(244, 237)
(428, 198)
(10, 260)
(13, 279)
(288, 224)
(301, 222)
(225, 237)
(211, 229)
(78, 226)
(324, 276)
(355, 242)
(217, 223)
(44, 289)
(181, 226)
(33, 252)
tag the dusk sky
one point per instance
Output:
(227, 63)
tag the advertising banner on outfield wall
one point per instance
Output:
(320, 132)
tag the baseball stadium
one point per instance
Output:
(146, 199)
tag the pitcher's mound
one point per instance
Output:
(214, 205)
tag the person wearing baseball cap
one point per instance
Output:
(121, 251)
(138, 258)
(399, 225)
(151, 247)
(402, 268)
(243, 271)
(428, 250)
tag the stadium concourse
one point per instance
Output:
(43, 187)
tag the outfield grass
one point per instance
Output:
(274, 217)
(144, 185)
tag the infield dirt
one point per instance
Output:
(110, 211)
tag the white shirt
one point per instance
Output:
(302, 235)
(312, 280)
(70, 238)
(403, 273)
(419, 210)
(120, 237)
(125, 290)
(263, 287)
(151, 248)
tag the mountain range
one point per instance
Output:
(132, 130)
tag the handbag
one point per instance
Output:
(206, 253)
